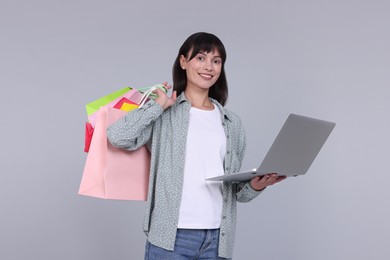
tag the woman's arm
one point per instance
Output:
(250, 190)
(135, 128)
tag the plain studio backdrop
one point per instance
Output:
(324, 59)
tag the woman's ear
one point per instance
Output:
(183, 62)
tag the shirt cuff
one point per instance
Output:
(250, 191)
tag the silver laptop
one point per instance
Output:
(293, 151)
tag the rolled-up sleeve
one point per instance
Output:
(246, 193)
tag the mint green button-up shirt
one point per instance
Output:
(165, 134)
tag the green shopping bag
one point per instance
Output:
(95, 105)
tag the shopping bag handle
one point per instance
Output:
(149, 92)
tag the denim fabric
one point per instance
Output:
(190, 244)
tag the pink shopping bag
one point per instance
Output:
(133, 95)
(88, 136)
(112, 173)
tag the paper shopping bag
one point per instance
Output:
(112, 173)
(130, 94)
(94, 106)
(88, 136)
(126, 105)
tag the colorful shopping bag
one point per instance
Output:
(138, 97)
(94, 106)
(132, 94)
(112, 173)
(88, 136)
(126, 105)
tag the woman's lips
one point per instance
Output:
(206, 76)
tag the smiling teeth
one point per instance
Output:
(207, 76)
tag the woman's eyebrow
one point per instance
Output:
(205, 53)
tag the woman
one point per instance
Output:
(191, 137)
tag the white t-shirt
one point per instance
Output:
(201, 204)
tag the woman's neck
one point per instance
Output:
(199, 99)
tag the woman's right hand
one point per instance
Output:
(163, 99)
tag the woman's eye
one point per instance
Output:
(217, 61)
(201, 58)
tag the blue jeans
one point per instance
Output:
(190, 244)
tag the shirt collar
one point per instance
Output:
(225, 113)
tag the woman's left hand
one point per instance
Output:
(261, 182)
(163, 99)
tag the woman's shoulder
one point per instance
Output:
(229, 114)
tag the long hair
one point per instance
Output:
(201, 42)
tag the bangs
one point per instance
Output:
(207, 43)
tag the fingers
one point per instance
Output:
(160, 93)
(163, 99)
(260, 182)
(174, 96)
(166, 86)
(269, 179)
(280, 178)
(274, 178)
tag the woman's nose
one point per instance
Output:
(208, 65)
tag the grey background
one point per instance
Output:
(325, 59)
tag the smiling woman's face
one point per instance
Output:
(203, 70)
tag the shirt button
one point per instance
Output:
(223, 124)
(224, 217)
(223, 234)
(228, 136)
(227, 168)
(228, 152)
